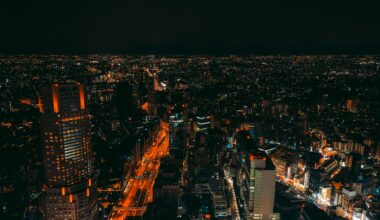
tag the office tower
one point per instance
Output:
(152, 107)
(138, 151)
(336, 193)
(262, 181)
(348, 160)
(142, 144)
(324, 195)
(70, 183)
(126, 101)
(347, 195)
(306, 179)
(177, 137)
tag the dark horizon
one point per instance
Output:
(171, 27)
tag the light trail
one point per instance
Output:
(139, 190)
(157, 86)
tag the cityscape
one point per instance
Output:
(189, 137)
(189, 110)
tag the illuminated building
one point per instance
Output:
(317, 178)
(262, 183)
(325, 193)
(26, 101)
(330, 166)
(203, 123)
(359, 214)
(358, 187)
(348, 147)
(70, 183)
(378, 152)
(152, 109)
(145, 138)
(281, 164)
(220, 205)
(348, 160)
(291, 170)
(347, 196)
(306, 179)
(351, 105)
(336, 193)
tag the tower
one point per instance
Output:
(70, 183)
(262, 184)
(126, 101)
(177, 137)
(152, 107)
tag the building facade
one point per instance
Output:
(262, 184)
(177, 137)
(70, 181)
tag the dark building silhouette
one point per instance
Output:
(177, 137)
(126, 101)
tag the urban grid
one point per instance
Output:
(190, 137)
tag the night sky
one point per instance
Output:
(190, 26)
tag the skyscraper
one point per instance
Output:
(151, 96)
(262, 183)
(70, 183)
(177, 137)
(126, 101)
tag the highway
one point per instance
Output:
(139, 190)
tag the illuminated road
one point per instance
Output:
(139, 190)
(234, 206)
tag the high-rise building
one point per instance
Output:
(152, 102)
(70, 183)
(139, 149)
(262, 184)
(306, 179)
(126, 101)
(347, 196)
(177, 137)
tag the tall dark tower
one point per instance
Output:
(70, 184)
(152, 108)
(126, 102)
(177, 137)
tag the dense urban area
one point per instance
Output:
(190, 137)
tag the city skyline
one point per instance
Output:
(190, 110)
(184, 137)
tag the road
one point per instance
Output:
(234, 205)
(139, 190)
